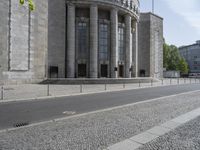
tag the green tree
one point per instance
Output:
(172, 59)
(183, 66)
(30, 3)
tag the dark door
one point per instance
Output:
(142, 73)
(104, 71)
(53, 72)
(121, 71)
(82, 70)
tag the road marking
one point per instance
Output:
(155, 132)
(69, 112)
(99, 111)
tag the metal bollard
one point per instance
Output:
(81, 88)
(105, 87)
(162, 82)
(184, 80)
(190, 80)
(139, 83)
(170, 81)
(124, 85)
(178, 81)
(48, 94)
(151, 82)
(2, 93)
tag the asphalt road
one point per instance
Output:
(43, 110)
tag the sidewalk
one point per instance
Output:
(98, 130)
(186, 137)
(37, 91)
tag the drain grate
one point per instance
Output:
(21, 124)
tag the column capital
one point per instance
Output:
(93, 5)
(114, 10)
(70, 4)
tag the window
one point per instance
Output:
(103, 42)
(82, 39)
(121, 44)
(195, 62)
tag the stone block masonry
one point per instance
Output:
(23, 48)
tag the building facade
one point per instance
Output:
(191, 53)
(150, 38)
(76, 39)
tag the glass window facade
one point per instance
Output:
(103, 42)
(121, 44)
(82, 40)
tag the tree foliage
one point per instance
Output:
(172, 59)
(30, 3)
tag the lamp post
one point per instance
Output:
(152, 6)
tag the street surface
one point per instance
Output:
(43, 110)
(99, 130)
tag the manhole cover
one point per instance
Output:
(21, 124)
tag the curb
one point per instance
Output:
(78, 94)
(93, 112)
(145, 137)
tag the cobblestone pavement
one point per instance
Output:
(186, 137)
(99, 130)
(25, 91)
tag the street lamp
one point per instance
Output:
(152, 6)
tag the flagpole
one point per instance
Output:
(152, 6)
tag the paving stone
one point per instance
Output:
(125, 145)
(158, 130)
(144, 137)
(185, 137)
(99, 130)
(170, 124)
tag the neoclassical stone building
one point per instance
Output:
(73, 39)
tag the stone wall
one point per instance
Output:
(56, 36)
(24, 41)
(151, 45)
(4, 17)
(144, 44)
(156, 46)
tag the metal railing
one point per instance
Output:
(37, 91)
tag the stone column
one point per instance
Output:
(70, 41)
(128, 58)
(135, 50)
(114, 42)
(93, 41)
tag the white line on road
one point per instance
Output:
(98, 111)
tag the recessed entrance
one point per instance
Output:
(142, 73)
(82, 70)
(121, 71)
(53, 71)
(104, 70)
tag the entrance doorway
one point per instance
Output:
(121, 71)
(82, 70)
(142, 73)
(53, 71)
(104, 70)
